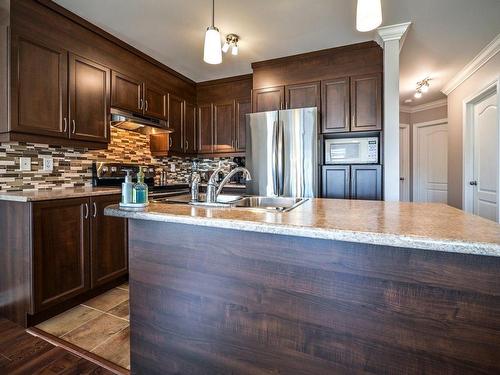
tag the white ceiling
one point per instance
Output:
(445, 34)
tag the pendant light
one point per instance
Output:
(368, 15)
(212, 53)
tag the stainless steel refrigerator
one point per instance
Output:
(282, 153)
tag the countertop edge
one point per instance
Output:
(10, 197)
(372, 238)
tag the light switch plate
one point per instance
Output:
(172, 167)
(25, 164)
(48, 164)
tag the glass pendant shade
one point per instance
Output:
(212, 53)
(368, 15)
(225, 47)
(234, 51)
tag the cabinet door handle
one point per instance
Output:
(86, 211)
(170, 142)
(146, 105)
(65, 122)
(95, 210)
(186, 144)
(74, 126)
(141, 104)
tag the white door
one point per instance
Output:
(485, 180)
(430, 162)
(404, 162)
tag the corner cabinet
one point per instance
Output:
(57, 97)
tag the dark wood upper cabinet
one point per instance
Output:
(224, 126)
(366, 182)
(366, 102)
(109, 251)
(268, 99)
(335, 181)
(89, 89)
(205, 128)
(243, 107)
(175, 122)
(155, 101)
(126, 92)
(335, 102)
(303, 95)
(39, 87)
(189, 128)
(60, 250)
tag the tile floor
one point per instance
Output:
(100, 326)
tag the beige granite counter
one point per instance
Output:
(413, 225)
(45, 195)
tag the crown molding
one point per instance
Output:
(477, 62)
(392, 32)
(423, 107)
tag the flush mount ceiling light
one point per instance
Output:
(422, 87)
(231, 40)
(368, 15)
(212, 53)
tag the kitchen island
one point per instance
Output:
(332, 287)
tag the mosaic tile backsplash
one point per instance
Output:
(73, 167)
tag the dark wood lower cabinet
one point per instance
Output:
(60, 251)
(352, 182)
(366, 182)
(336, 181)
(109, 251)
(55, 254)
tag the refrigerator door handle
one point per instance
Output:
(281, 155)
(275, 158)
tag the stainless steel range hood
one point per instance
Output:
(138, 123)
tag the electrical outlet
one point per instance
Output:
(25, 164)
(48, 164)
(172, 167)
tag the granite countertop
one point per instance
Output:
(427, 226)
(45, 195)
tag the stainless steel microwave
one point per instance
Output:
(352, 150)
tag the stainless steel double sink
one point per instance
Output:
(274, 204)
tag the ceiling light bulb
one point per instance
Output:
(368, 15)
(234, 51)
(424, 88)
(212, 53)
(418, 94)
(225, 47)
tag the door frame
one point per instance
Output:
(407, 164)
(416, 126)
(468, 143)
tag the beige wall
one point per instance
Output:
(415, 118)
(474, 84)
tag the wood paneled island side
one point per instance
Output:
(228, 291)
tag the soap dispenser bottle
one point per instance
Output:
(127, 189)
(140, 192)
